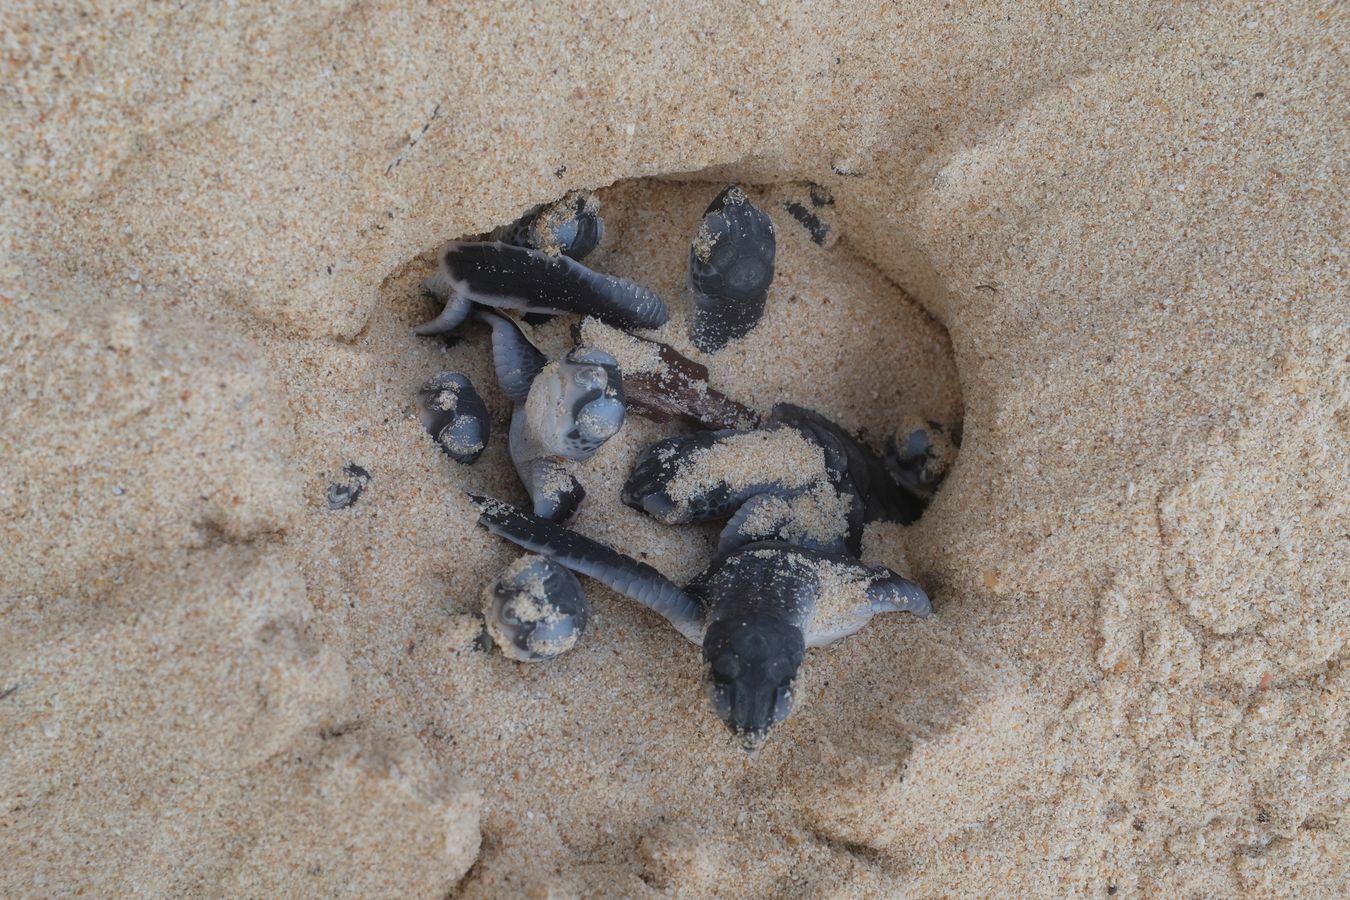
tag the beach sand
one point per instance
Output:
(1108, 246)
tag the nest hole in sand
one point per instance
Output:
(837, 336)
(575, 741)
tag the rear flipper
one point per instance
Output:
(457, 306)
(633, 579)
(515, 359)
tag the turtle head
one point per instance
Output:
(751, 668)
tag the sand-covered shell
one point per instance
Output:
(872, 480)
(730, 269)
(454, 414)
(570, 225)
(536, 610)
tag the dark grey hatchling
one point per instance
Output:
(754, 611)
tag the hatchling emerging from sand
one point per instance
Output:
(564, 411)
(754, 611)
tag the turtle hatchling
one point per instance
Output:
(799, 477)
(564, 411)
(730, 270)
(774, 482)
(754, 611)
(536, 609)
(454, 414)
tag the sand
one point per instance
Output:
(1107, 243)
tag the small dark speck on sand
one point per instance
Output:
(820, 196)
(1110, 890)
(342, 494)
(7, 691)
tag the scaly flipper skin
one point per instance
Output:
(456, 310)
(579, 553)
(454, 414)
(514, 358)
(555, 493)
(730, 270)
(755, 610)
(502, 275)
(536, 610)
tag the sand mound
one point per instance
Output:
(1108, 244)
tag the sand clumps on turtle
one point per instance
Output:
(794, 491)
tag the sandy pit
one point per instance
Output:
(1107, 245)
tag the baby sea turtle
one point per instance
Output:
(730, 269)
(535, 610)
(454, 414)
(564, 411)
(571, 226)
(800, 477)
(754, 611)
(497, 274)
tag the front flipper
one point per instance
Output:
(515, 359)
(633, 579)
(891, 593)
(502, 275)
(457, 308)
(554, 491)
(852, 593)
